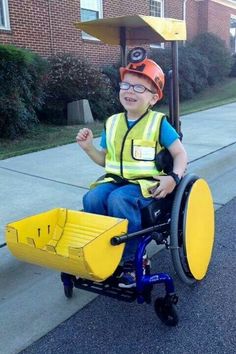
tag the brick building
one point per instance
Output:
(46, 26)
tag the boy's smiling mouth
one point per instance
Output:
(129, 99)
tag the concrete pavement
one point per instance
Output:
(31, 297)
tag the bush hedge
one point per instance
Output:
(113, 74)
(21, 82)
(71, 79)
(233, 67)
(215, 50)
(193, 72)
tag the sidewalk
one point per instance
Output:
(59, 177)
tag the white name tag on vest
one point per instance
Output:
(143, 153)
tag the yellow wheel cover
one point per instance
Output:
(199, 228)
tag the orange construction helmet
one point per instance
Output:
(147, 68)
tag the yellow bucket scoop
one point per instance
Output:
(73, 242)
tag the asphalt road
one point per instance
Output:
(206, 312)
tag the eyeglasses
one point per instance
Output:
(137, 88)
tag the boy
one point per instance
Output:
(129, 144)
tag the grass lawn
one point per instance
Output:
(212, 97)
(44, 137)
(47, 136)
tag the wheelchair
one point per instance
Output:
(184, 225)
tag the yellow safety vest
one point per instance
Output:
(131, 151)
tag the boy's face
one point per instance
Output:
(137, 103)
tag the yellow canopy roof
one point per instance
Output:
(139, 29)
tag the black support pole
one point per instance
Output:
(123, 46)
(170, 97)
(174, 47)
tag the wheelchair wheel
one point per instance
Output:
(166, 311)
(192, 229)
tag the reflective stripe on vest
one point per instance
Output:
(131, 152)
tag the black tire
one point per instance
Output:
(147, 293)
(68, 281)
(68, 291)
(166, 311)
(147, 269)
(177, 242)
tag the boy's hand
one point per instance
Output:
(84, 138)
(166, 186)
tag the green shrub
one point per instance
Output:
(71, 79)
(193, 72)
(112, 72)
(233, 67)
(212, 47)
(21, 82)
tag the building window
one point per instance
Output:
(90, 10)
(157, 10)
(233, 34)
(4, 15)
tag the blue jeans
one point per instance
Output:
(121, 201)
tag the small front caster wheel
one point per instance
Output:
(68, 291)
(68, 281)
(166, 311)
